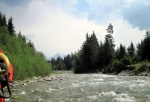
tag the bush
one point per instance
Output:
(27, 62)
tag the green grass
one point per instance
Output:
(139, 65)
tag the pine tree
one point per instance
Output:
(131, 50)
(84, 58)
(146, 49)
(109, 46)
(11, 26)
(140, 50)
(4, 22)
(1, 20)
(30, 44)
(143, 48)
(122, 53)
(88, 59)
(60, 64)
(94, 45)
(101, 57)
(67, 62)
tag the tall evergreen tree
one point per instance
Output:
(143, 48)
(67, 62)
(109, 46)
(146, 49)
(85, 55)
(140, 50)
(122, 53)
(94, 46)
(22, 37)
(11, 26)
(30, 44)
(131, 50)
(87, 61)
(53, 62)
(4, 21)
(101, 57)
(1, 19)
(60, 64)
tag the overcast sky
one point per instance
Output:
(61, 25)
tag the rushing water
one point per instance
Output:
(86, 88)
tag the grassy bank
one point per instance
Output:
(26, 60)
(139, 69)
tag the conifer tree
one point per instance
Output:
(60, 64)
(140, 50)
(1, 19)
(94, 46)
(131, 50)
(87, 61)
(122, 53)
(67, 62)
(11, 26)
(30, 44)
(101, 57)
(109, 46)
(4, 22)
(143, 48)
(146, 46)
(84, 58)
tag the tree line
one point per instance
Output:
(63, 64)
(103, 57)
(27, 62)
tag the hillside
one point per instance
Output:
(27, 62)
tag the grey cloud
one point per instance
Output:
(136, 12)
(15, 2)
(138, 15)
(105, 11)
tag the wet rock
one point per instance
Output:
(41, 80)
(48, 80)
(27, 81)
(60, 80)
(24, 84)
(35, 78)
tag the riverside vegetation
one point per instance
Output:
(103, 57)
(27, 62)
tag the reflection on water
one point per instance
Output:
(86, 88)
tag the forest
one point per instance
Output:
(95, 56)
(92, 57)
(27, 62)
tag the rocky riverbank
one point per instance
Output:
(136, 70)
(132, 73)
(54, 77)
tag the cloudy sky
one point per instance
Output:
(61, 25)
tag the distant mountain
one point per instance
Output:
(57, 55)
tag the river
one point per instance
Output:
(69, 87)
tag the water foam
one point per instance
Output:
(118, 97)
(23, 93)
(92, 97)
(107, 94)
(75, 85)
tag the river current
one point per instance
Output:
(69, 87)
